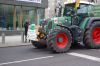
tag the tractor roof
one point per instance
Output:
(84, 2)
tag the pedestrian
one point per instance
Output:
(26, 25)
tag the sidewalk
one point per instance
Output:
(12, 41)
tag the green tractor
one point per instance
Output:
(74, 26)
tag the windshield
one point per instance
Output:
(69, 8)
(85, 8)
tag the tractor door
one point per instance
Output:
(84, 12)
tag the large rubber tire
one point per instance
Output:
(59, 40)
(39, 44)
(92, 36)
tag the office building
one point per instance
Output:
(14, 13)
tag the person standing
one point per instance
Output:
(26, 25)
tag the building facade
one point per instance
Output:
(49, 12)
(14, 13)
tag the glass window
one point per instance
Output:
(83, 9)
(42, 12)
(18, 15)
(13, 17)
(68, 9)
(29, 14)
(40, 15)
(6, 16)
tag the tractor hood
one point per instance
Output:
(61, 20)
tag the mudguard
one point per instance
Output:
(92, 19)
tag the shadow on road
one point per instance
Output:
(46, 51)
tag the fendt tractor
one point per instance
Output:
(78, 23)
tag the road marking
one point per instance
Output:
(26, 60)
(95, 49)
(85, 56)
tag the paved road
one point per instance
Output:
(29, 56)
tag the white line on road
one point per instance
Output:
(85, 56)
(26, 60)
(95, 49)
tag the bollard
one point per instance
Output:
(22, 37)
(3, 38)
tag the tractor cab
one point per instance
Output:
(84, 8)
(79, 14)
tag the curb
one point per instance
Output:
(13, 45)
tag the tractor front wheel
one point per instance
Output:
(60, 40)
(92, 36)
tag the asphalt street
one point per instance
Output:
(30, 56)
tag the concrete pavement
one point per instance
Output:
(30, 56)
(14, 40)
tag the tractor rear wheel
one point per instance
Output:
(92, 36)
(59, 40)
